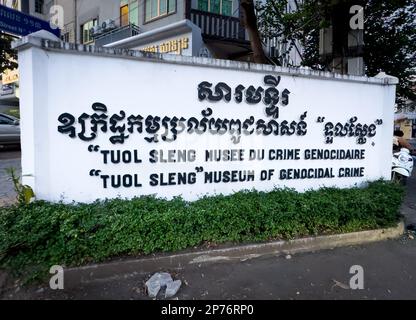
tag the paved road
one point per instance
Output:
(9, 158)
(389, 273)
(409, 204)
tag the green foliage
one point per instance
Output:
(15, 112)
(390, 38)
(39, 235)
(8, 56)
(389, 35)
(24, 193)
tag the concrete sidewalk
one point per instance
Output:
(9, 158)
(408, 208)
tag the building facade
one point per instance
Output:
(212, 28)
(9, 83)
(192, 27)
(112, 22)
(36, 8)
(406, 122)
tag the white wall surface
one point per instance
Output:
(62, 81)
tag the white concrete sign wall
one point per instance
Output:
(100, 125)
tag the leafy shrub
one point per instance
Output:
(36, 236)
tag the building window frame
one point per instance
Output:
(14, 4)
(92, 22)
(134, 11)
(65, 36)
(39, 4)
(159, 14)
(124, 18)
(210, 4)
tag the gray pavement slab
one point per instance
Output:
(9, 158)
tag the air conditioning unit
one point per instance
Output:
(96, 30)
(108, 24)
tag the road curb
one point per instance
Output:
(75, 277)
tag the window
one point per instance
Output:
(134, 12)
(65, 37)
(86, 34)
(39, 6)
(124, 15)
(129, 12)
(158, 8)
(14, 4)
(224, 7)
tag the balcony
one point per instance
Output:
(116, 34)
(218, 26)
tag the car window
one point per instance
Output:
(5, 120)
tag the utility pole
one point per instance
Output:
(76, 20)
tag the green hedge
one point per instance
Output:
(39, 235)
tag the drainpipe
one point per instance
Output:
(76, 20)
(188, 5)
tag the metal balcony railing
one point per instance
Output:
(116, 34)
(218, 26)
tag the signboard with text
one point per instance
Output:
(10, 76)
(20, 24)
(187, 129)
(180, 44)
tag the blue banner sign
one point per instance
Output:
(18, 23)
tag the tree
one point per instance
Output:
(249, 21)
(389, 35)
(390, 38)
(8, 56)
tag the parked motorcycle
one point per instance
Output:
(402, 166)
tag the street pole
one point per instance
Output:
(76, 20)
